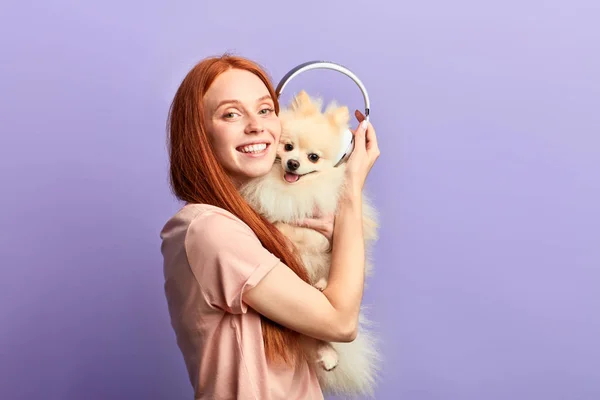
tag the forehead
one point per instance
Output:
(312, 134)
(236, 85)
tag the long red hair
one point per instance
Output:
(196, 176)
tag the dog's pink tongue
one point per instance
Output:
(291, 177)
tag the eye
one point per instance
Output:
(288, 147)
(266, 111)
(230, 115)
(313, 157)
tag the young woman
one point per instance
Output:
(238, 298)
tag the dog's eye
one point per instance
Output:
(313, 157)
(288, 147)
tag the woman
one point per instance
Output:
(238, 297)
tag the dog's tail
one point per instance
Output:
(356, 374)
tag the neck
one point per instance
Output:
(237, 181)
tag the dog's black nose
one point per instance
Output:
(293, 165)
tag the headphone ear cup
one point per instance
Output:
(347, 147)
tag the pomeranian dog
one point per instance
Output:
(302, 180)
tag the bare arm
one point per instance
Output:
(331, 315)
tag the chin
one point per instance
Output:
(249, 167)
(258, 170)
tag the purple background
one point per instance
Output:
(487, 283)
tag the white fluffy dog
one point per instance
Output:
(303, 179)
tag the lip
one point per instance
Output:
(254, 155)
(255, 142)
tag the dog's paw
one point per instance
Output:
(321, 284)
(328, 358)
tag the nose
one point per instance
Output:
(293, 165)
(254, 126)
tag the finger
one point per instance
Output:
(316, 211)
(359, 116)
(359, 136)
(371, 138)
(311, 223)
(301, 222)
(370, 135)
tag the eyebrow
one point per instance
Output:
(265, 97)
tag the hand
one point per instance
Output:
(320, 223)
(364, 155)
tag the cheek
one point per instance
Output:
(222, 143)
(222, 138)
(274, 126)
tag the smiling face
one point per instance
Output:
(310, 140)
(241, 124)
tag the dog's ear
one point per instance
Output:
(338, 116)
(303, 104)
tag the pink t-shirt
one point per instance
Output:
(210, 259)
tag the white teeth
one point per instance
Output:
(254, 148)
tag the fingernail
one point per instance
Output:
(364, 124)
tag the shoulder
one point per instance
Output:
(203, 228)
(201, 218)
(210, 222)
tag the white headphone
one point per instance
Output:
(348, 137)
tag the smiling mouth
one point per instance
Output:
(253, 148)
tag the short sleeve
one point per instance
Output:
(226, 258)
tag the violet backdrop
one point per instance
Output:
(487, 271)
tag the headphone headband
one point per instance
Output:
(348, 139)
(324, 65)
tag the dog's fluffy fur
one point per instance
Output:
(342, 368)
